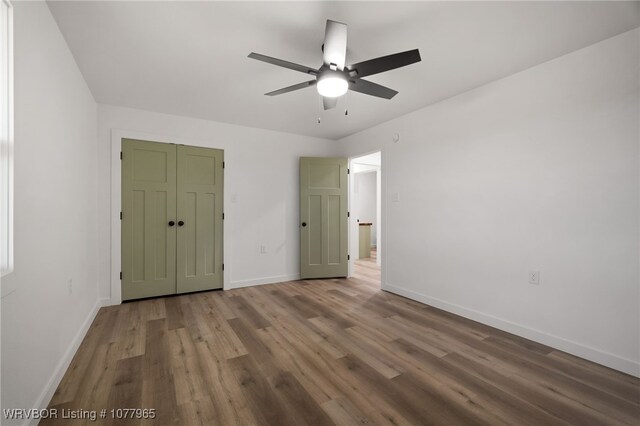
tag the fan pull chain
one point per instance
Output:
(346, 103)
(319, 109)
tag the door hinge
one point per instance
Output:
(223, 266)
(348, 171)
(348, 214)
(348, 257)
(121, 155)
(222, 216)
(120, 215)
(223, 165)
(121, 275)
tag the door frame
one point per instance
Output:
(382, 244)
(116, 203)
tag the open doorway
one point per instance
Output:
(365, 224)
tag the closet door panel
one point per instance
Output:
(148, 206)
(199, 238)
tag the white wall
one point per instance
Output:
(55, 212)
(365, 200)
(537, 171)
(261, 174)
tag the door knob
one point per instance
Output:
(171, 223)
(180, 223)
(304, 224)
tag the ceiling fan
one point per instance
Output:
(334, 78)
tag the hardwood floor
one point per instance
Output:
(329, 352)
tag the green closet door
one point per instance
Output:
(199, 265)
(323, 217)
(148, 205)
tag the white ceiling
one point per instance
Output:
(190, 58)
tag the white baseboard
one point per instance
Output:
(46, 395)
(607, 359)
(261, 281)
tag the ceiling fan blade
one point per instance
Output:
(385, 63)
(329, 103)
(370, 88)
(281, 63)
(335, 44)
(292, 88)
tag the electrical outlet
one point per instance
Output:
(70, 286)
(263, 249)
(534, 277)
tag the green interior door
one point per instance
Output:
(200, 212)
(171, 219)
(148, 205)
(323, 217)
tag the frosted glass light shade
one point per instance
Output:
(332, 86)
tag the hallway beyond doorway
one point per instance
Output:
(367, 269)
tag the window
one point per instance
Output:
(6, 136)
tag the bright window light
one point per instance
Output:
(332, 85)
(6, 136)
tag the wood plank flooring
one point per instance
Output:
(324, 352)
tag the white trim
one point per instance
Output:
(46, 395)
(262, 281)
(6, 233)
(350, 244)
(116, 193)
(607, 359)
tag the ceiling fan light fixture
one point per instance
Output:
(332, 85)
(334, 78)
